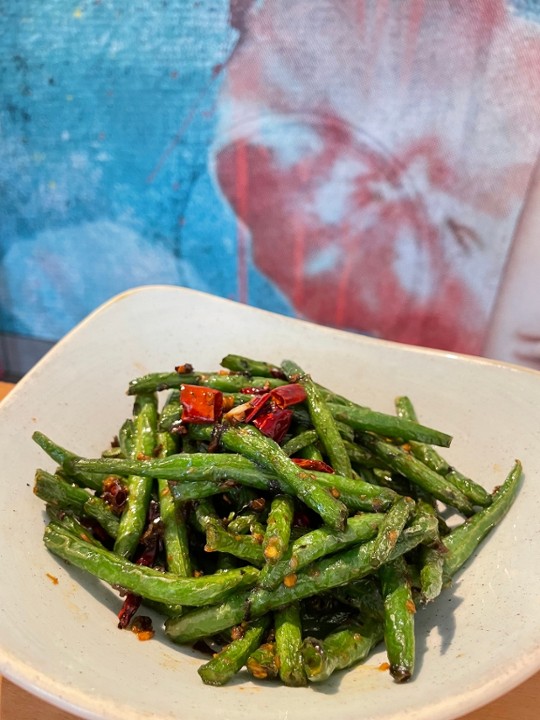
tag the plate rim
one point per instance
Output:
(43, 686)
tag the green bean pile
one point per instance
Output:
(284, 529)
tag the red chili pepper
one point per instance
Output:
(200, 404)
(256, 404)
(290, 394)
(273, 422)
(308, 464)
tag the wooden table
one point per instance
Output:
(16, 704)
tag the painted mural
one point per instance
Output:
(362, 164)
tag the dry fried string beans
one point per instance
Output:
(329, 572)
(292, 531)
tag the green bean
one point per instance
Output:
(250, 367)
(263, 663)
(62, 456)
(357, 495)
(244, 547)
(205, 514)
(429, 455)
(339, 650)
(324, 574)
(197, 489)
(311, 452)
(246, 523)
(360, 456)
(390, 426)
(322, 419)
(170, 414)
(175, 538)
(223, 666)
(55, 491)
(147, 582)
(101, 512)
(224, 468)
(299, 442)
(416, 472)
(465, 538)
(133, 518)
(288, 630)
(390, 529)
(217, 467)
(318, 543)
(278, 528)
(422, 530)
(251, 443)
(431, 572)
(156, 382)
(399, 613)
(126, 436)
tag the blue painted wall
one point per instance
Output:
(107, 114)
(112, 116)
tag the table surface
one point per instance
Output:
(16, 704)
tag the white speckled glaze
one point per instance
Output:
(60, 641)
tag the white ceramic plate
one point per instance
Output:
(60, 641)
